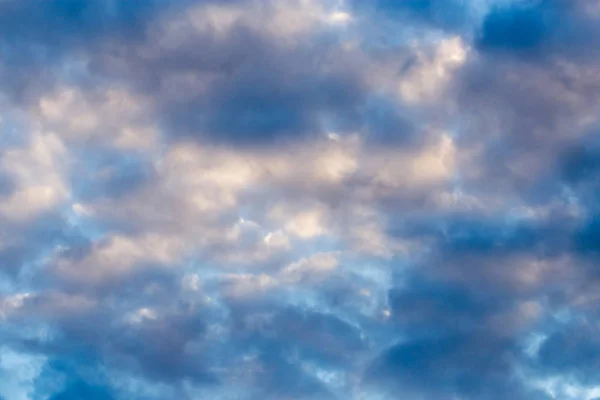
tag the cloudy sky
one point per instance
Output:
(299, 199)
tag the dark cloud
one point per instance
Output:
(40, 36)
(27, 243)
(448, 335)
(527, 89)
(266, 89)
(540, 29)
(461, 340)
(446, 367)
(587, 239)
(464, 313)
(273, 92)
(427, 307)
(158, 348)
(525, 95)
(90, 339)
(56, 21)
(579, 163)
(325, 339)
(520, 28)
(256, 88)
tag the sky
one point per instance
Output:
(299, 199)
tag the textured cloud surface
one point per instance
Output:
(299, 199)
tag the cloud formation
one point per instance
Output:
(299, 199)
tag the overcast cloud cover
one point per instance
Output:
(299, 199)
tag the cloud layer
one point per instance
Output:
(299, 199)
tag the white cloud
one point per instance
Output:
(288, 19)
(432, 73)
(140, 315)
(191, 282)
(219, 18)
(306, 224)
(434, 164)
(38, 172)
(12, 303)
(277, 239)
(339, 17)
(311, 269)
(245, 285)
(315, 267)
(117, 256)
(197, 190)
(112, 115)
(208, 179)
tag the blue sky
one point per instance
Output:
(299, 199)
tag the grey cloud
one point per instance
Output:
(275, 90)
(472, 367)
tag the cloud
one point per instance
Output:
(531, 29)
(299, 199)
(37, 178)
